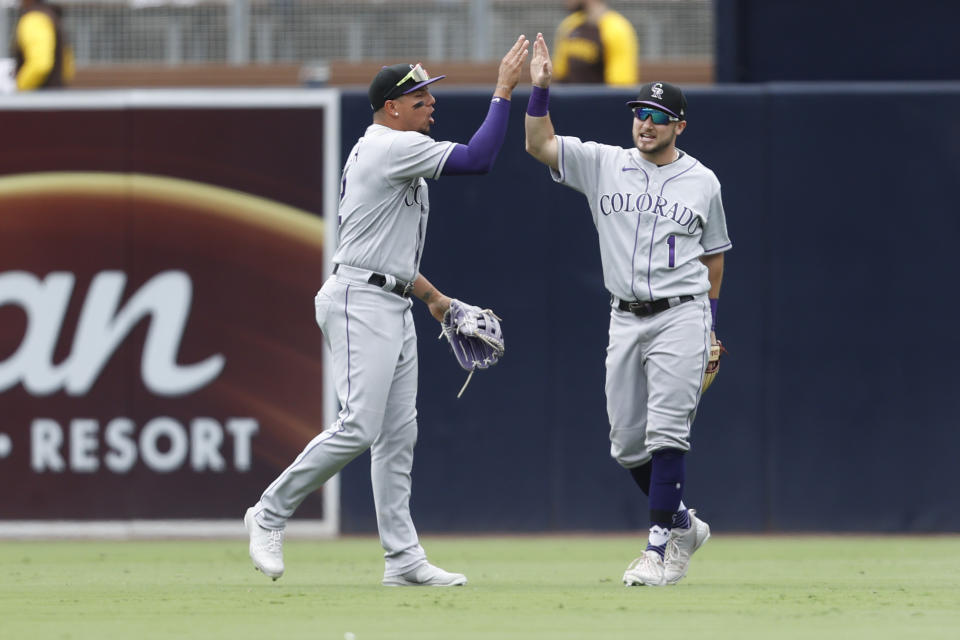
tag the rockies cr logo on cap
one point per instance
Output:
(663, 96)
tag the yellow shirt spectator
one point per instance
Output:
(596, 45)
(42, 59)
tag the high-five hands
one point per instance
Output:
(541, 67)
(510, 67)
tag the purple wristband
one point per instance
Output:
(539, 102)
(713, 313)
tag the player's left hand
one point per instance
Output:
(474, 335)
(713, 364)
(438, 307)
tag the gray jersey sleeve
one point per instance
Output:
(715, 238)
(414, 155)
(577, 164)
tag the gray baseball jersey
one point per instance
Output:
(383, 200)
(653, 222)
(372, 339)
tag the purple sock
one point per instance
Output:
(681, 519)
(667, 476)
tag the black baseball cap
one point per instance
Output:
(396, 80)
(663, 96)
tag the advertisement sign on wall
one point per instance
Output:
(159, 254)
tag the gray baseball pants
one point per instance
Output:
(655, 367)
(373, 344)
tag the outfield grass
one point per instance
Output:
(525, 587)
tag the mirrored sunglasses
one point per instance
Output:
(658, 117)
(417, 74)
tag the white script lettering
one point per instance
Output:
(101, 329)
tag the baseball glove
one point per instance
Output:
(713, 365)
(474, 335)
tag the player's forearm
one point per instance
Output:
(541, 141)
(480, 153)
(435, 301)
(424, 289)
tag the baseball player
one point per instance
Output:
(364, 312)
(662, 234)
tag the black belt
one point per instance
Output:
(402, 288)
(644, 309)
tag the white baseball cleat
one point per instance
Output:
(681, 546)
(426, 575)
(266, 546)
(645, 570)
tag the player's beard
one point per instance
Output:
(662, 143)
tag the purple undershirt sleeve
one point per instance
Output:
(478, 155)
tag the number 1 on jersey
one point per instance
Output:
(672, 243)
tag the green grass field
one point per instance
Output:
(520, 587)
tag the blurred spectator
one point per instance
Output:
(595, 44)
(43, 58)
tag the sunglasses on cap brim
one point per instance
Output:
(417, 74)
(658, 117)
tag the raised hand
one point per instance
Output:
(541, 67)
(510, 67)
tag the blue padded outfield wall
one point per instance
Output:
(778, 40)
(837, 408)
